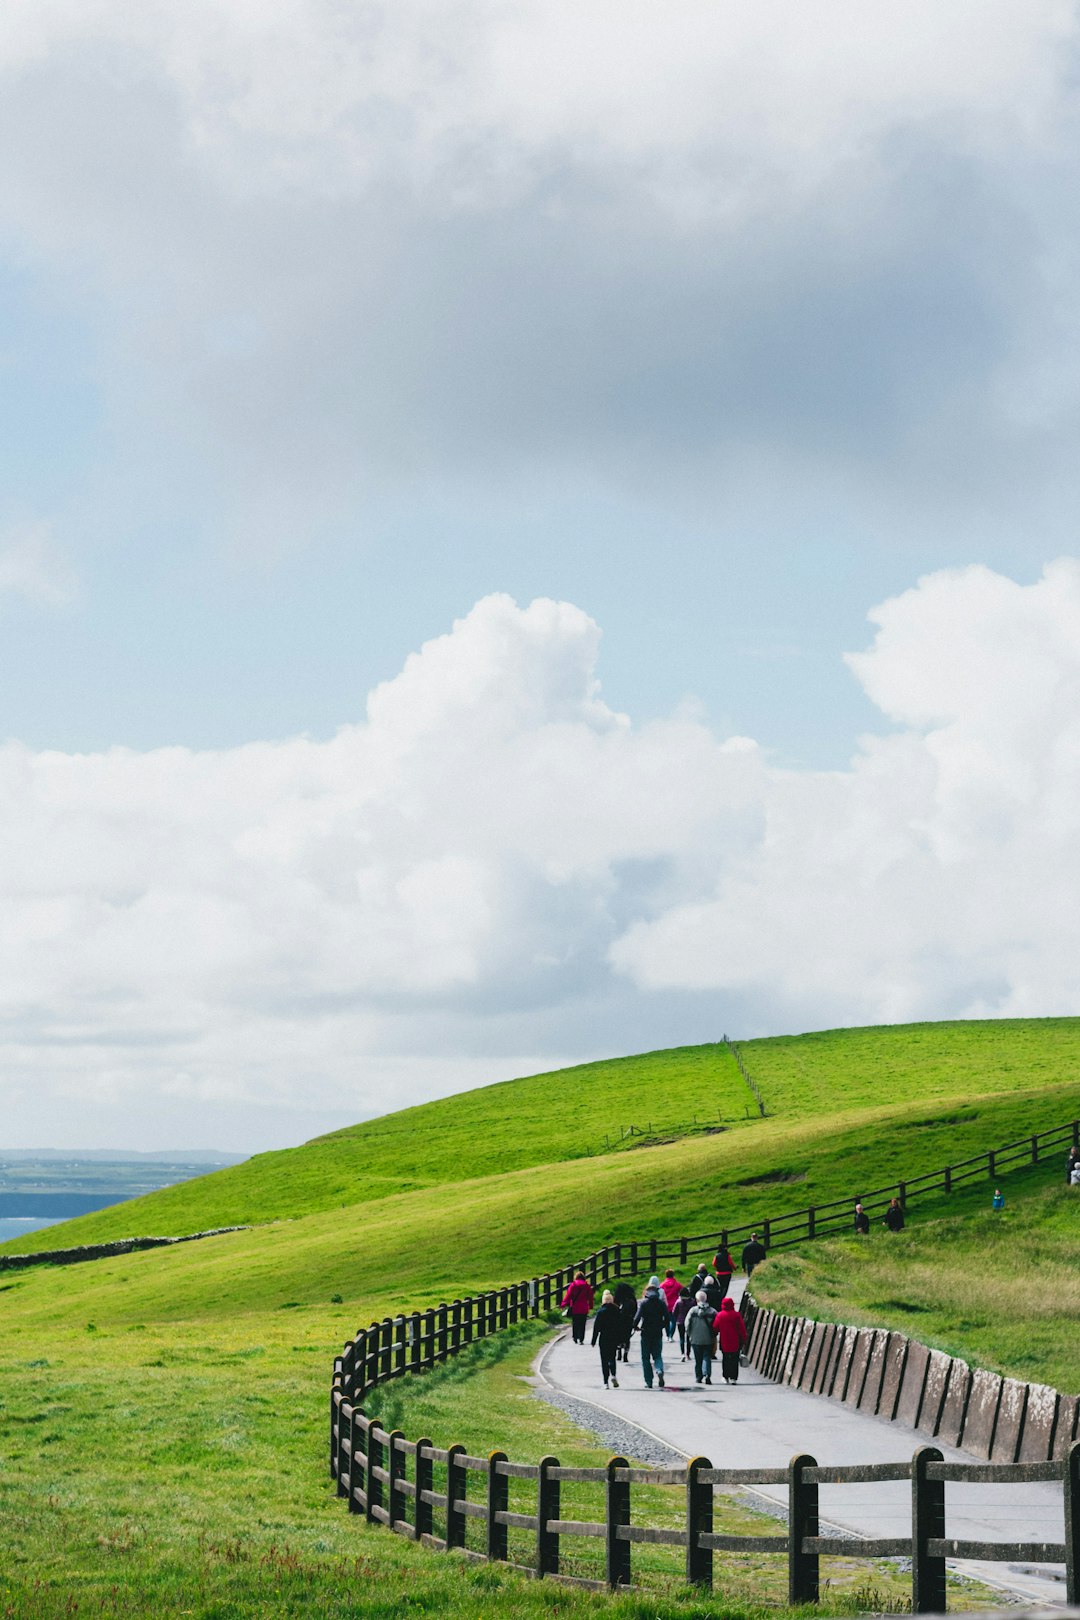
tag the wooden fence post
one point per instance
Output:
(802, 1521)
(504, 1308)
(948, 1178)
(352, 1472)
(457, 1485)
(547, 1508)
(699, 1522)
(927, 1522)
(373, 1486)
(616, 1517)
(901, 1193)
(1071, 1483)
(415, 1347)
(335, 1432)
(455, 1327)
(429, 1338)
(468, 1319)
(399, 1345)
(395, 1467)
(444, 1322)
(498, 1500)
(682, 1251)
(1034, 1150)
(386, 1347)
(425, 1473)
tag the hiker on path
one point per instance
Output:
(578, 1300)
(626, 1300)
(730, 1336)
(753, 1254)
(697, 1281)
(724, 1267)
(862, 1221)
(607, 1330)
(699, 1337)
(894, 1217)
(683, 1306)
(1070, 1165)
(650, 1322)
(712, 1291)
(671, 1291)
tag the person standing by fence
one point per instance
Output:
(753, 1254)
(894, 1217)
(862, 1221)
(607, 1330)
(650, 1321)
(730, 1336)
(1072, 1163)
(578, 1300)
(699, 1337)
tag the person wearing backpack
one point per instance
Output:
(730, 1336)
(651, 1320)
(683, 1306)
(700, 1321)
(724, 1267)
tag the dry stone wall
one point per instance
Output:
(894, 1377)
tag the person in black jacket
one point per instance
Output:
(650, 1321)
(697, 1281)
(712, 1291)
(626, 1300)
(753, 1254)
(862, 1221)
(608, 1329)
(894, 1217)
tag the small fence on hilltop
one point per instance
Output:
(521, 1500)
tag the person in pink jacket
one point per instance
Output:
(671, 1289)
(578, 1300)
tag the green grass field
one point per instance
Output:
(163, 1415)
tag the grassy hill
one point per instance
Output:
(557, 1118)
(162, 1414)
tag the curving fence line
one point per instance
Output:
(371, 1465)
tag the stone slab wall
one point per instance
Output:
(1000, 1419)
(102, 1251)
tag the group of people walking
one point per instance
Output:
(700, 1312)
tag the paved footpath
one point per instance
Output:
(756, 1423)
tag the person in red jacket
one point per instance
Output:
(723, 1265)
(578, 1301)
(731, 1336)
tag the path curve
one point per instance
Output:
(759, 1423)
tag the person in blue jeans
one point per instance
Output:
(652, 1318)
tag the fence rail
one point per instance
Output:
(371, 1464)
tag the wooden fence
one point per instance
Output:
(370, 1465)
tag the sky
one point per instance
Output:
(526, 533)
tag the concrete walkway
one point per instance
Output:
(758, 1423)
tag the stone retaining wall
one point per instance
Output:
(898, 1378)
(102, 1251)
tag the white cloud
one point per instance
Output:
(746, 233)
(33, 567)
(494, 870)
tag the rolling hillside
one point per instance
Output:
(564, 1117)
